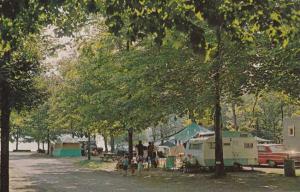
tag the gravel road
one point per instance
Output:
(34, 173)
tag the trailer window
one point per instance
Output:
(291, 131)
(248, 145)
(226, 144)
(196, 146)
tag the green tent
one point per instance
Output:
(190, 132)
(67, 147)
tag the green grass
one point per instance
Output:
(97, 165)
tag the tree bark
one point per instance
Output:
(89, 146)
(130, 143)
(112, 143)
(48, 142)
(219, 161)
(5, 116)
(17, 140)
(282, 113)
(257, 127)
(253, 108)
(105, 143)
(235, 125)
(38, 143)
(161, 136)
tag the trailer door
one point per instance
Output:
(236, 149)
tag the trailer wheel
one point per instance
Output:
(272, 163)
(211, 168)
(237, 167)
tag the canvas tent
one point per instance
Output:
(191, 131)
(66, 146)
(168, 144)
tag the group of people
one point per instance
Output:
(150, 158)
(126, 166)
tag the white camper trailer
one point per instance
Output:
(238, 149)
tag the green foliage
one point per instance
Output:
(241, 20)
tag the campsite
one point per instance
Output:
(149, 95)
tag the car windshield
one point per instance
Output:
(277, 148)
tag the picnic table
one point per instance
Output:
(108, 156)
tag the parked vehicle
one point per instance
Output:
(238, 149)
(93, 147)
(122, 149)
(275, 154)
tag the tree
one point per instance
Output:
(19, 19)
(234, 20)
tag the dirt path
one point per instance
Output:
(31, 173)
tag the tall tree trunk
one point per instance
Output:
(253, 108)
(5, 116)
(17, 140)
(219, 161)
(105, 143)
(112, 143)
(257, 127)
(48, 142)
(43, 145)
(274, 132)
(161, 135)
(234, 118)
(130, 143)
(282, 113)
(38, 144)
(153, 133)
(282, 118)
(89, 146)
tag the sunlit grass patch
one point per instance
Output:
(97, 165)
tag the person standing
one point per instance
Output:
(140, 165)
(132, 167)
(150, 154)
(125, 164)
(140, 149)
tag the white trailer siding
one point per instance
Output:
(236, 150)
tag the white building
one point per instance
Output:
(291, 133)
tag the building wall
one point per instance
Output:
(291, 141)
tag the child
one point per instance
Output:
(140, 164)
(125, 165)
(149, 162)
(132, 167)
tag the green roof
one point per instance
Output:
(190, 131)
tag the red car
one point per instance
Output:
(275, 154)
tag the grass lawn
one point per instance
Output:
(97, 165)
(262, 179)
